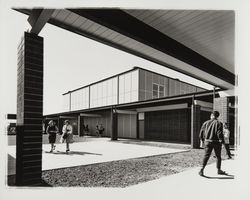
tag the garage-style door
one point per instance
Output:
(169, 125)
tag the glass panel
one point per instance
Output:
(114, 83)
(134, 96)
(127, 82)
(161, 88)
(155, 87)
(155, 94)
(127, 97)
(134, 80)
(104, 89)
(114, 100)
(121, 84)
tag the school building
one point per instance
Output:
(140, 104)
(136, 104)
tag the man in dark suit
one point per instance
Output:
(211, 134)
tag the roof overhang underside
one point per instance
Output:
(171, 38)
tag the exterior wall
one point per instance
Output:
(169, 125)
(172, 87)
(127, 126)
(128, 87)
(221, 105)
(80, 99)
(105, 120)
(132, 86)
(227, 114)
(104, 93)
(66, 103)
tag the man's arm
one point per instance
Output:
(220, 133)
(201, 135)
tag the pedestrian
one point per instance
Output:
(67, 135)
(87, 129)
(101, 130)
(83, 131)
(226, 134)
(52, 130)
(211, 134)
(97, 131)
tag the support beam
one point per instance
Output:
(195, 125)
(129, 26)
(90, 115)
(129, 112)
(114, 124)
(38, 18)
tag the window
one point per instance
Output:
(158, 91)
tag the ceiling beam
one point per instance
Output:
(129, 26)
(38, 18)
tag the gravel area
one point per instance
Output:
(125, 172)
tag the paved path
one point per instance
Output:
(189, 185)
(184, 185)
(100, 150)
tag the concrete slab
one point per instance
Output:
(98, 151)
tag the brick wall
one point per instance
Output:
(29, 110)
(221, 105)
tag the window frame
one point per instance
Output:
(158, 90)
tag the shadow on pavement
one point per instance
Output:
(73, 153)
(228, 176)
(11, 181)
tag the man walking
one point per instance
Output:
(211, 134)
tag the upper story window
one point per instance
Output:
(158, 90)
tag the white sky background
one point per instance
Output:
(70, 61)
(65, 50)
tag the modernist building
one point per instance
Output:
(198, 43)
(148, 106)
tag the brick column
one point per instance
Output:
(221, 105)
(29, 110)
(195, 125)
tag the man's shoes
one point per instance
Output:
(229, 157)
(54, 147)
(201, 173)
(51, 151)
(67, 150)
(220, 172)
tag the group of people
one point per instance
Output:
(214, 134)
(67, 134)
(99, 130)
(85, 130)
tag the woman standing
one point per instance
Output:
(52, 130)
(226, 134)
(67, 135)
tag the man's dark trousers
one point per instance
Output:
(209, 146)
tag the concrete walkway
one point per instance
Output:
(184, 185)
(189, 185)
(97, 151)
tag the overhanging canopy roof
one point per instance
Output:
(195, 42)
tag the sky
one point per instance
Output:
(70, 61)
